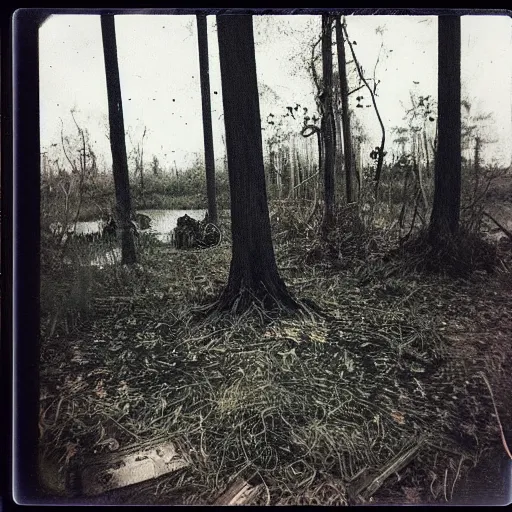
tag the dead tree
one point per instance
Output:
(345, 114)
(327, 121)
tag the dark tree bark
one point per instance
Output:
(328, 123)
(320, 147)
(253, 276)
(117, 140)
(209, 159)
(345, 114)
(444, 221)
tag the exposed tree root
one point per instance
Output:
(458, 255)
(262, 303)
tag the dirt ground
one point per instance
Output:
(474, 316)
(490, 482)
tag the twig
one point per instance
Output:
(357, 89)
(431, 484)
(446, 449)
(266, 488)
(414, 215)
(240, 493)
(456, 476)
(304, 181)
(503, 440)
(369, 486)
(121, 426)
(372, 95)
(504, 229)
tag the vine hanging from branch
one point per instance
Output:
(372, 90)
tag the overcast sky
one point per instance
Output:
(159, 71)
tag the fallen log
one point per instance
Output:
(94, 475)
(366, 486)
(239, 493)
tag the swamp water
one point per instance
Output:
(163, 223)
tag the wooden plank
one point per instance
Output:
(239, 493)
(127, 468)
(364, 488)
(93, 475)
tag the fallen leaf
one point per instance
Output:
(412, 494)
(71, 451)
(99, 389)
(398, 417)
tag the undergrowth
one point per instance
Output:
(306, 407)
(458, 256)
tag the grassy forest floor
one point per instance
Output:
(311, 408)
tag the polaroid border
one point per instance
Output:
(24, 211)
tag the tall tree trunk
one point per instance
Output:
(321, 151)
(476, 166)
(225, 153)
(209, 158)
(271, 166)
(117, 140)
(299, 158)
(444, 221)
(307, 163)
(345, 114)
(359, 163)
(253, 275)
(433, 144)
(328, 123)
(307, 167)
(336, 114)
(476, 160)
(339, 140)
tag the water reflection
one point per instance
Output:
(163, 222)
(162, 227)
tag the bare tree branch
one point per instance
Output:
(372, 94)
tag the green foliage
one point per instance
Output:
(187, 190)
(60, 198)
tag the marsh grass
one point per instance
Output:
(303, 405)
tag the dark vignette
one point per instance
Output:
(23, 119)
